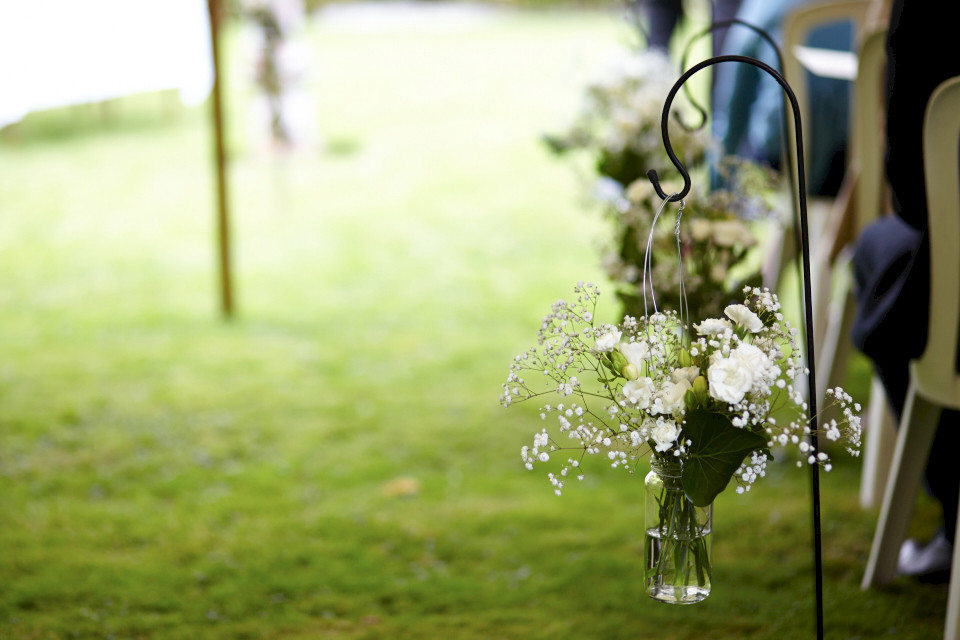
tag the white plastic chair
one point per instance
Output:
(880, 433)
(837, 306)
(830, 217)
(859, 203)
(797, 25)
(934, 382)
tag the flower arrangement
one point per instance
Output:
(715, 247)
(620, 126)
(620, 119)
(709, 401)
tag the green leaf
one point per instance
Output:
(716, 453)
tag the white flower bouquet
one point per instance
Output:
(619, 127)
(620, 119)
(708, 404)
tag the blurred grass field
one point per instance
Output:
(333, 462)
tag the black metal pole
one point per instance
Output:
(807, 296)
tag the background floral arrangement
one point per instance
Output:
(715, 241)
(620, 120)
(620, 126)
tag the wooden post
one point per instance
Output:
(214, 8)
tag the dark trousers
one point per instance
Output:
(663, 16)
(891, 270)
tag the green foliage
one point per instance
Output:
(717, 450)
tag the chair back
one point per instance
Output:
(935, 371)
(797, 25)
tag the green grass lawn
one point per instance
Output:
(333, 463)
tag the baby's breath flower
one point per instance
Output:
(743, 380)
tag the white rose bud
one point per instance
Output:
(639, 392)
(718, 272)
(673, 393)
(664, 434)
(729, 233)
(636, 353)
(742, 315)
(712, 326)
(685, 373)
(699, 229)
(607, 341)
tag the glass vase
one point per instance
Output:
(678, 538)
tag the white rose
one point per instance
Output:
(754, 359)
(607, 341)
(744, 317)
(640, 190)
(729, 379)
(712, 326)
(728, 233)
(685, 373)
(752, 356)
(672, 395)
(699, 229)
(639, 392)
(664, 433)
(718, 272)
(636, 353)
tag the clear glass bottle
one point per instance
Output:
(677, 544)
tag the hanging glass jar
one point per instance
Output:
(678, 537)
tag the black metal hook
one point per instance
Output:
(807, 295)
(686, 51)
(664, 124)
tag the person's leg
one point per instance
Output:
(662, 17)
(892, 287)
(941, 472)
(890, 266)
(723, 10)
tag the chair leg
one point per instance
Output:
(821, 288)
(831, 254)
(880, 436)
(780, 254)
(913, 446)
(834, 352)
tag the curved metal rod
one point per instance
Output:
(686, 51)
(807, 296)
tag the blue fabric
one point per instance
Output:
(664, 15)
(748, 104)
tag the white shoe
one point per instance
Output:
(929, 560)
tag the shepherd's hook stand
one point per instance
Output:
(807, 297)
